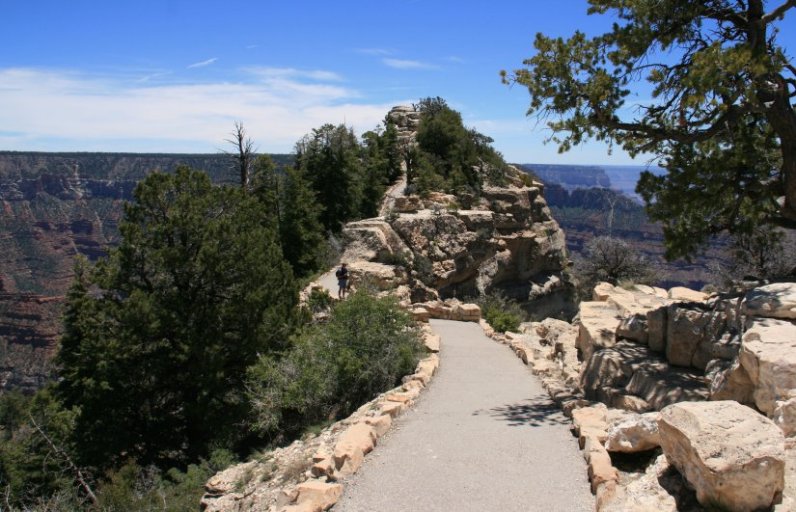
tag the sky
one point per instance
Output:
(174, 76)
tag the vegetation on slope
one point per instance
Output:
(174, 344)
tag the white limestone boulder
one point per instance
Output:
(768, 354)
(776, 300)
(731, 455)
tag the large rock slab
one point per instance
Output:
(731, 455)
(380, 276)
(631, 369)
(598, 324)
(691, 333)
(776, 300)
(372, 240)
(768, 354)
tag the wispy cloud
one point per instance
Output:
(375, 51)
(407, 64)
(252, 46)
(457, 60)
(60, 110)
(298, 74)
(203, 63)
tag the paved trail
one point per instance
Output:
(483, 437)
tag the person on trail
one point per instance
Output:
(342, 280)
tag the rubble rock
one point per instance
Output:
(635, 434)
(731, 455)
(319, 495)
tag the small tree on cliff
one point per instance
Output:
(612, 260)
(721, 119)
(158, 336)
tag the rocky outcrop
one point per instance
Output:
(406, 120)
(729, 454)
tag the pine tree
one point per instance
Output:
(301, 230)
(154, 357)
(720, 80)
(330, 157)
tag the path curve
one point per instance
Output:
(483, 437)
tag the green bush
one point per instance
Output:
(366, 347)
(319, 300)
(503, 314)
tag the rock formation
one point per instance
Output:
(722, 369)
(506, 242)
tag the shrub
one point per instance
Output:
(319, 300)
(366, 347)
(503, 314)
(612, 260)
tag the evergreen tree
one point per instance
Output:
(720, 81)
(330, 157)
(301, 230)
(266, 185)
(377, 174)
(153, 358)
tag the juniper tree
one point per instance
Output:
(719, 82)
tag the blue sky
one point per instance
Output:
(174, 75)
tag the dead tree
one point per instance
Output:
(244, 158)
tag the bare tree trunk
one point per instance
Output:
(66, 458)
(245, 153)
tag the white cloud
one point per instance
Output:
(203, 63)
(374, 51)
(314, 74)
(407, 64)
(57, 110)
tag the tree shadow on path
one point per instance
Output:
(533, 412)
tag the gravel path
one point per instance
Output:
(483, 437)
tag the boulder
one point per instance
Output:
(776, 300)
(629, 369)
(729, 381)
(731, 455)
(380, 276)
(656, 329)
(690, 334)
(598, 323)
(635, 434)
(680, 293)
(381, 424)
(634, 328)
(352, 445)
(768, 354)
(319, 495)
(372, 240)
